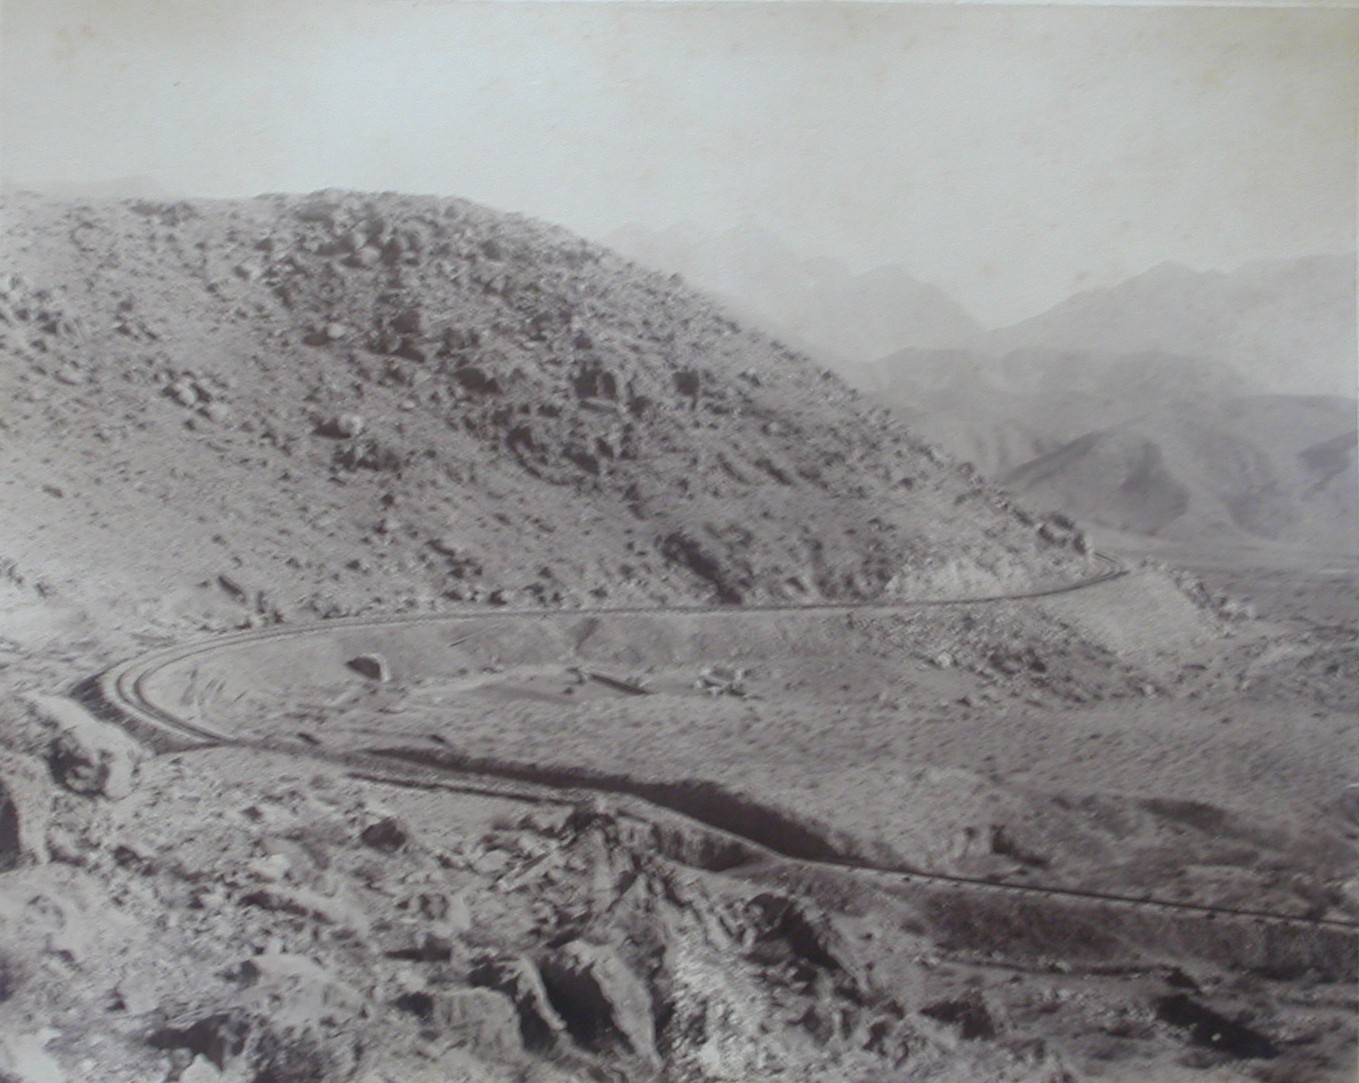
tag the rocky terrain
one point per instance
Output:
(554, 680)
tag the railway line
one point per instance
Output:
(124, 692)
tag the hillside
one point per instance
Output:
(1271, 468)
(341, 402)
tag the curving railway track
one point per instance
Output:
(123, 688)
(124, 692)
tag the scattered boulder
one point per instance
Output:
(135, 994)
(368, 453)
(342, 426)
(86, 755)
(1058, 530)
(200, 1070)
(320, 335)
(219, 413)
(722, 680)
(602, 1002)
(305, 903)
(409, 321)
(447, 914)
(372, 666)
(477, 380)
(219, 1037)
(303, 981)
(234, 588)
(25, 809)
(388, 834)
(810, 935)
(967, 1014)
(184, 391)
(278, 1047)
(24, 1059)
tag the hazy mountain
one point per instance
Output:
(1117, 404)
(1000, 412)
(128, 187)
(1288, 325)
(1277, 468)
(816, 304)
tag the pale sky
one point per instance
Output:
(1012, 155)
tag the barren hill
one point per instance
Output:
(345, 401)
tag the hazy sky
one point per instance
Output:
(1011, 154)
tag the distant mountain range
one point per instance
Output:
(1179, 403)
(1288, 325)
(1000, 412)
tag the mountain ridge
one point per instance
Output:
(1288, 324)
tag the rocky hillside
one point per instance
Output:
(341, 401)
(552, 848)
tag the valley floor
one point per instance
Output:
(497, 902)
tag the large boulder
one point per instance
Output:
(291, 1022)
(342, 427)
(25, 809)
(86, 755)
